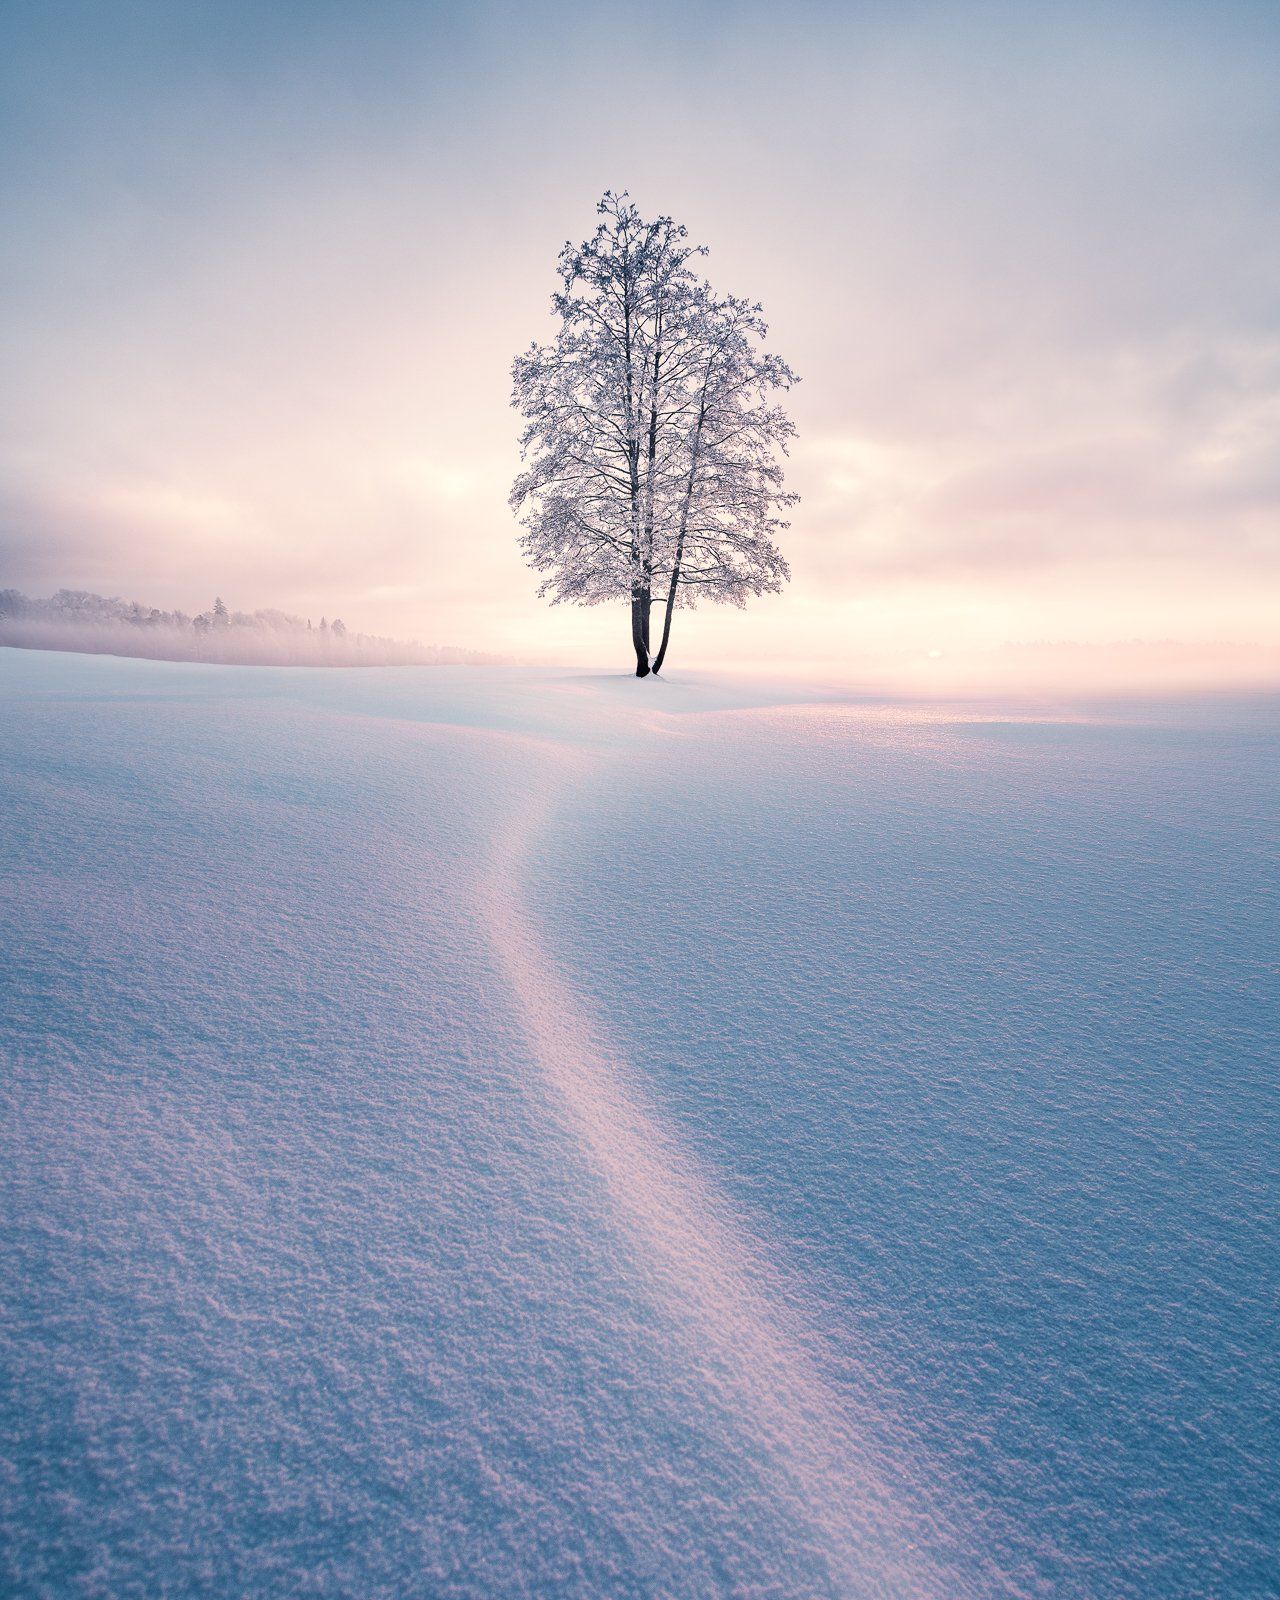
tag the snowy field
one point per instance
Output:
(485, 1133)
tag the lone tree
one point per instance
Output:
(651, 433)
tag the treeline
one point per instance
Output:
(74, 619)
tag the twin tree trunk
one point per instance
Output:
(673, 580)
(641, 606)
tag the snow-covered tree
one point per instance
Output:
(649, 433)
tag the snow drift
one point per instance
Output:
(479, 1134)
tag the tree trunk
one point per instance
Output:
(640, 603)
(670, 607)
(674, 582)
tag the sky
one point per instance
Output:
(263, 270)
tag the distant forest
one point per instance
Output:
(73, 619)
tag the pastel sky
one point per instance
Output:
(264, 269)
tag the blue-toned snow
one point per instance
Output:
(485, 1133)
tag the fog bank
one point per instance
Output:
(73, 619)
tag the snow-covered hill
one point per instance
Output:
(486, 1132)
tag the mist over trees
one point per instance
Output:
(652, 434)
(74, 619)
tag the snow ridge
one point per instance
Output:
(695, 1254)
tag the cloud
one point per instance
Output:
(1136, 454)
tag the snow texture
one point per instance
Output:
(471, 1132)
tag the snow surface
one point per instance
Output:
(483, 1132)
